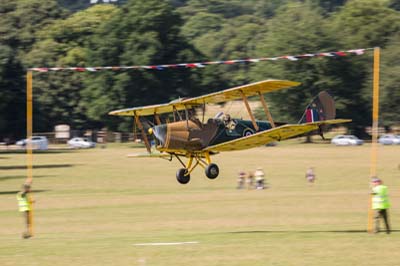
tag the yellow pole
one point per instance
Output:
(29, 153)
(375, 118)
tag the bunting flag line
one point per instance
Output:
(204, 64)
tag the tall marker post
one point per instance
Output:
(29, 153)
(375, 117)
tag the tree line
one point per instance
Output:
(47, 33)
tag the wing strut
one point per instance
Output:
(204, 111)
(187, 117)
(253, 120)
(157, 117)
(267, 113)
(144, 136)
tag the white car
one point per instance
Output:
(81, 143)
(346, 140)
(389, 139)
(38, 142)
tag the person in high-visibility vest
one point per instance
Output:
(25, 207)
(380, 203)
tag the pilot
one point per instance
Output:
(229, 123)
(227, 119)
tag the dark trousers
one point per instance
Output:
(383, 213)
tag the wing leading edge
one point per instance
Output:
(232, 94)
(275, 134)
(151, 109)
(237, 93)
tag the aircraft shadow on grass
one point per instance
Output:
(344, 231)
(11, 177)
(16, 167)
(16, 191)
(23, 151)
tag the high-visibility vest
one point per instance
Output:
(23, 202)
(380, 198)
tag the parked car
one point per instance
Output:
(38, 142)
(81, 143)
(389, 139)
(346, 140)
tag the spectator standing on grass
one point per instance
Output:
(25, 207)
(310, 175)
(260, 178)
(250, 180)
(380, 203)
(241, 180)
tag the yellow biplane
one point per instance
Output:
(177, 132)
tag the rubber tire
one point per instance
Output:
(181, 177)
(247, 132)
(212, 171)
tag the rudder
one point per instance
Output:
(321, 108)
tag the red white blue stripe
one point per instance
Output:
(204, 64)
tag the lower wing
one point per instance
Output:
(274, 134)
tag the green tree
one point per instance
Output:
(365, 23)
(389, 85)
(362, 24)
(12, 95)
(78, 5)
(226, 8)
(141, 33)
(19, 22)
(64, 44)
(202, 23)
(330, 5)
(237, 39)
(297, 28)
(395, 4)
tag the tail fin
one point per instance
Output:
(321, 108)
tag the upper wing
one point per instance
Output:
(151, 109)
(237, 92)
(216, 97)
(275, 134)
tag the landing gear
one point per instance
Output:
(247, 132)
(183, 176)
(212, 171)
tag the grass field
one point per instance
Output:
(93, 206)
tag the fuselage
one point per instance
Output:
(192, 135)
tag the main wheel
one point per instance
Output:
(182, 176)
(247, 132)
(212, 171)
